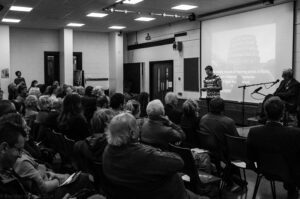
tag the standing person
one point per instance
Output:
(19, 80)
(212, 84)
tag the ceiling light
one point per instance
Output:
(184, 7)
(117, 27)
(131, 1)
(8, 20)
(75, 24)
(95, 14)
(20, 8)
(145, 19)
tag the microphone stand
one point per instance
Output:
(244, 91)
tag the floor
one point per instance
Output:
(264, 191)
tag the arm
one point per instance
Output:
(219, 85)
(292, 92)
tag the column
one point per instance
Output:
(5, 59)
(66, 56)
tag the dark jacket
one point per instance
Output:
(275, 138)
(146, 171)
(160, 132)
(288, 92)
(173, 113)
(190, 125)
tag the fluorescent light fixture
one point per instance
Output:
(184, 7)
(9, 20)
(20, 8)
(117, 27)
(131, 1)
(145, 19)
(75, 24)
(96, 14)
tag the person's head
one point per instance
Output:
(88, 91)
(122, 130)
(216, 105)
(133, 107)
(100, 120)
(34, 83)
(274, 107)
(44, 103)
(11, 145)
(287, 74)
(72, 104)
(117, 101)
(155, 108)
(80, 90)
(102, 101)
(6, 107)
(171, 99)
(190, 108)
(52, 90)
(55, 83)
(18, 73)
(31, 102)
(209, 70)
(22, 90)
(68, 90)
(57, 104)
(98, 91)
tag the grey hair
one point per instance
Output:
(120, 130)
(171, 98)
(155, 108)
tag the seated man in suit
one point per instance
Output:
(273, 137)
(139, 170)
(171, 109)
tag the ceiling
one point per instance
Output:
(55, 14)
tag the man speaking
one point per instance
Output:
(212, 84)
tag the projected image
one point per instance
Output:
(244, 56)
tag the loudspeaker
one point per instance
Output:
(179, 46)
(192, 17)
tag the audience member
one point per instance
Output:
(102, 102)
(88, 91)
(171, 109)
(89, 105)
(117, 103)
(45, 106)
(98, 91)
(31, 109)
(12, 91)
(158, 130)
(144, 100)
(33, 84)
(6, 107)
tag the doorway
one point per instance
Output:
(51, 67)
(133, 78)
(161, 79)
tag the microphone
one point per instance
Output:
(275, 82)
(256, 90)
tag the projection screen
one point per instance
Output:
(248, 48)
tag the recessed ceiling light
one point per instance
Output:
(75, 24)
(184, 7)
(96, 14)
(117, 27)
(131, 1)
(145, 19)
(20, 8)
(9, 20)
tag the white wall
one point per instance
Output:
(95, 54)
(297, 46)
(27, 48)
(5, 57)
(191, 48)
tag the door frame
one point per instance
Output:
(151, 64)
(51, 53)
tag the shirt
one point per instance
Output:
(212, 82)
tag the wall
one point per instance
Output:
(5, 57)
(95, 54)
(27, 48)
(297, 42)
(191, 48)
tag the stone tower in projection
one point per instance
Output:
(243, 52)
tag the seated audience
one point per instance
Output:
(171, 109)
(143, 171)
(143, 98)
(6, 107)
(117, 103)
(158, 130)
(12, 91)
(274, 138)
(71, 121)
(19, 101)
(31, 109)
(134, 107)
(33, 84)
(89, 107)
(88, 91)
(45, 106)
(102, 102)
(98, 91)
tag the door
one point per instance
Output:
(161, 79)
(51, 67)
(133, 75)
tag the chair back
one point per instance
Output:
(208, 141)
(237, 148)
(274, 166)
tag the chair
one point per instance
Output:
(273, 167)
(197, 178)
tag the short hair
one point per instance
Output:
(98, 91)
(216, 105)
(88, 91)
(101, 101)
(117, 100)
(120, 129)
(190, 107)
(274, 107)
(80, 90)
(133, 107)
(17, 72)
(10, 134)
(31, 101)
(288, 72)
(171, 98)
(100, 120)
(155, 108)
(209, 68)
(57, 104)
(21, 88)
(45, 102)
(6, 107)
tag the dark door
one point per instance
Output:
(77, 61)
(161, 79)
(51, 67)
(132, 78)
